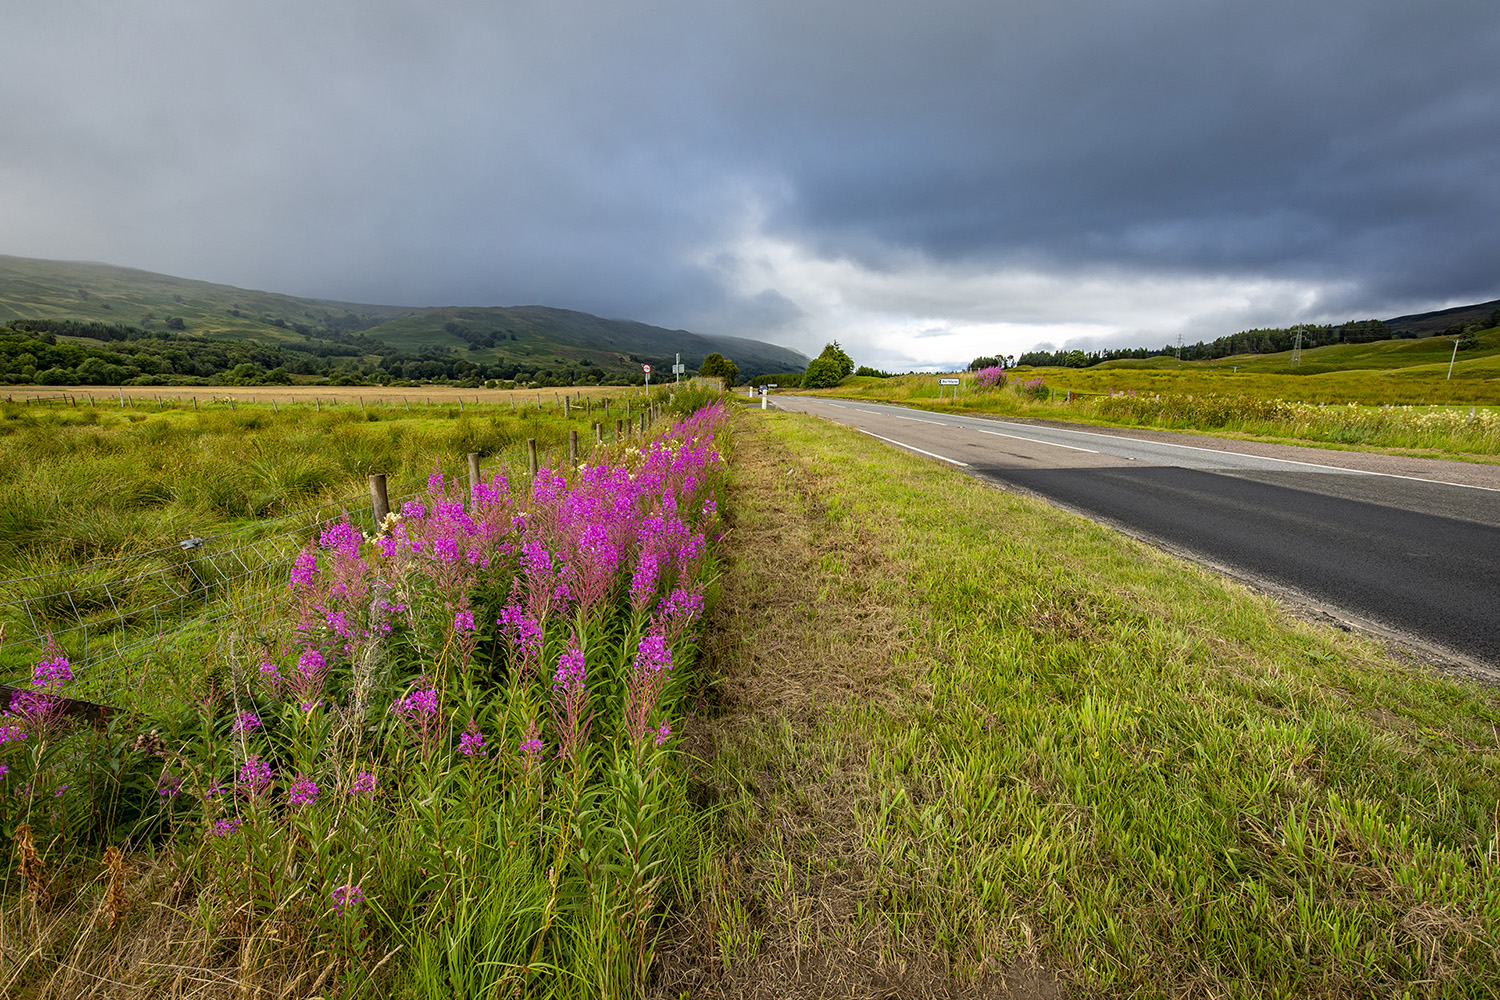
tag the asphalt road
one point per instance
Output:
(1410, 547)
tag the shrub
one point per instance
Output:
(992, 377)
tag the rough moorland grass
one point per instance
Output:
(969, 737)
(1215, 406)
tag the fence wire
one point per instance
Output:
(111, 614)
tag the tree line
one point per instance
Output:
(31, 353)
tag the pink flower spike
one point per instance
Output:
(363, 784)
(472, 741)
(345, 898)
(255, 776)
(304, 792)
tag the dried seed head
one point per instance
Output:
(32, 871)
(115, 900)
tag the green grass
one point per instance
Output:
(81, 484)
(1033, 742)
(1391, 403)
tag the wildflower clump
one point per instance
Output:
(511, 660)
(992, 377)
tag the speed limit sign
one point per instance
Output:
(646, 369)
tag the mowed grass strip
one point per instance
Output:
(971, 744)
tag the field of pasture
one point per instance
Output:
(97, 501)
(744, 705)
(1400, 399)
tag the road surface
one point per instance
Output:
(1408, 547)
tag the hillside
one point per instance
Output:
(1431, 323)
(514, 342)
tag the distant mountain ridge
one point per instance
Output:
(501, 342)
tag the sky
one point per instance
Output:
(923, 182)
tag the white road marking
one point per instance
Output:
(908, 447)
(1171, 444)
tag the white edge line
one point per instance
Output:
(1018, 437)
(1189, 447)
(919, 451)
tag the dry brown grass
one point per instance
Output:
(791, 908)
(134, 931)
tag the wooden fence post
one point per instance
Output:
(378, 498)
(473, 472)
(531, 456)
(573, 448)
(619, 430)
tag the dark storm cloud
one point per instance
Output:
(775, 169)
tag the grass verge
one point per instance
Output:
(967, 743)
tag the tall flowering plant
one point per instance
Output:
(487, 689)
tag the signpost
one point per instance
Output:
(947, 381)
(647, 370)
(678, 369)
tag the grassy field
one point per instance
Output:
(967, 742)
(369, 789)
(1387, 395)
(945, 741)
(125, 485)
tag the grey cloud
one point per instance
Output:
(593, 155)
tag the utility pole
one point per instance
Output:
(1453, 359)
(1297, 349)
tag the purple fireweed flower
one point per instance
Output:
(570, 699)
(269, 673)
(342, 539)
(643, 685)
(9, 733)
(531, 747)
(255, 776)
(345, 898)
(338, 622)
(38, 711)
(4, 770)
(226, 826)
(463, 621)
(57, 793)
(169, 787)
(304, 792)
(472, 741)
(663, 733)
(363, 784)
(414, 508)
(305, 569)
(677, 611)
(50, 675)
(245, 722)
(311, 665)
(523, 632)
(416, 704)
(418, 711)
(572, 672)
(214, 790)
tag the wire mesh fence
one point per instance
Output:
(110, 614)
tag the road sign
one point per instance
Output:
(646, 369)
(947, 381)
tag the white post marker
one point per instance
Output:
(763, 395)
